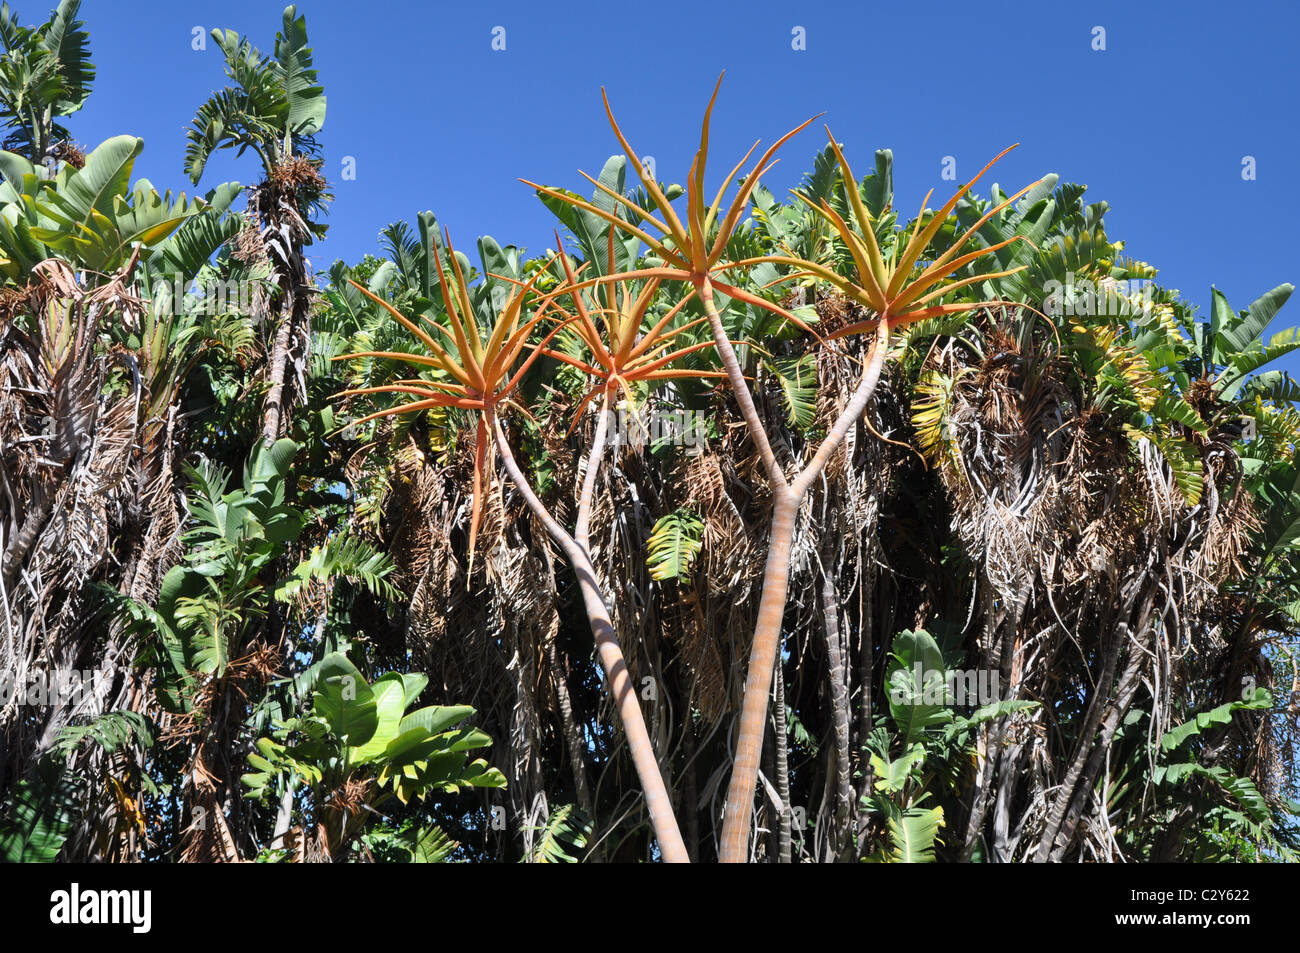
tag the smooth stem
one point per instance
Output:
(758, 682)
(739, 387)
(658, 803)
(581, 532)
(771, 607)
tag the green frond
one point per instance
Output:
(673, 545)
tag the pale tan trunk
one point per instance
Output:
(658, 803)
(787, 496)
(275, 374)
(758, 682)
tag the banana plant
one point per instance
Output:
(45, 74)
(359, 746)
(275, 107)
(566, 829)
(917, 753)
(90, 216)
(209, 605)
(1231, 347)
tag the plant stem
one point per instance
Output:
(787, 496)
(784, 850)
(739, 387)
(581, 531)
(658, 803)
(758, 682)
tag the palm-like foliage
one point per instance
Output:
(996, 459)
(478, 364)
(695, 253)
(275, 107)
(693, 250)
(621, 347)
(885, 283)
(45, 74)
(359, 747)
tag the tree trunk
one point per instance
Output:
(839, 704)
(610, 654)
(776, 580)
(783, 844)
(276, 371)
(762, 661)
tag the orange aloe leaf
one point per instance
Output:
(426, 392)
(733, 292)
(516, 343)
(702, 158)
(965, 237)
(866, 270)
(502, 356)
(668, 359)
(917, 246)
(677, 372)
(726, 182)
(468, 318)
(672, 274)
(932, 276)
(751, 182)
(946, 289)
(450, 366)
(695, 212)
(911, 317)
(582, 405)
(878, 272)
(476, 507)
(391, 356)
(675, 227)
(572, 289)
(627, 339)
(419, 405)
(626, 203)
(472, 368)
(573, 361)
(528, 362)
(656, 332)
(508, 321)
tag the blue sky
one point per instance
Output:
(1157, 124)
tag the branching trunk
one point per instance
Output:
(787, 497)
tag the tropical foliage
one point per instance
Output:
(978, 542)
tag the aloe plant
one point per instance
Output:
(694, 251)
(477, 368)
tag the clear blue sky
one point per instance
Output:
(1157, 124)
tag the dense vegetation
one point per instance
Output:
(731, 529)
